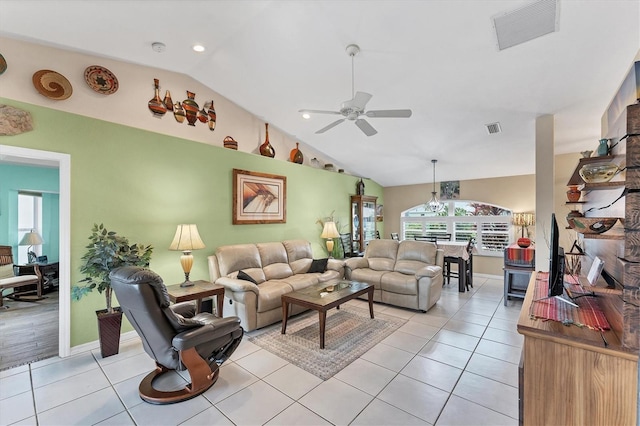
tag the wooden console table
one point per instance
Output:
(569, 377)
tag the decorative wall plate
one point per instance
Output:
(101, 79)
(52, 85)
(3, 64)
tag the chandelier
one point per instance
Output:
(434, 205)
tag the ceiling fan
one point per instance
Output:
(355, 107)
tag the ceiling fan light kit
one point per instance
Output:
(354, 108)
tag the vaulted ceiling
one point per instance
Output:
(438, 58)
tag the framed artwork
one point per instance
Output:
(259, 198)
(379, 213)
(450, 190)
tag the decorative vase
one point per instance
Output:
(296, 155)
(212, 117)
(155, 104)
(168, 102)
(574, 213)
(178, 112)
(573, 194)
(266, 149)
(190, 108)
(315, 163)
(603, 147)
(360, 187)
(203, 117)
(524, 242)
(230, 143)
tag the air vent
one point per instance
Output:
(493, 128)
(525, 24)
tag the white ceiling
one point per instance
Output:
(438, 58)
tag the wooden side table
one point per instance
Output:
(197, 292)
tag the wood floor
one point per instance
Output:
(28, 331)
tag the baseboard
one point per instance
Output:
(85, 347)
(495, 277)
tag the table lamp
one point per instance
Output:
(186, 240)
(329, 232)
(523, 220)
(31, 238)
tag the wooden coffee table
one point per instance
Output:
(324, 296)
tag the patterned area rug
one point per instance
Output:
(350, 332)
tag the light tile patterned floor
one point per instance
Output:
(455, 365)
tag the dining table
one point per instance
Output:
(458, 250)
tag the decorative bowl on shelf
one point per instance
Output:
(599, 172)
(591, 225)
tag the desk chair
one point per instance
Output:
(174, 335)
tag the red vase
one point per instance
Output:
(266, 149)
(573, 194)
(295, 156)
(155, 104)
(190, 108)
(524, 242)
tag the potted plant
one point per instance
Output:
(108, 251)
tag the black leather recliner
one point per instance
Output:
(173, 335)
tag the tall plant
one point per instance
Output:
(107, 251)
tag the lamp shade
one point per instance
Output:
(330, 230)
(31, 239)
(523, 219)
(187, 238)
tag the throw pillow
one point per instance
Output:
(318, 265)
(6, 271)
(242, 275)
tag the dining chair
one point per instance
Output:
(395, 236)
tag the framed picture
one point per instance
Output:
(379, 213)
(259, 198)
(450, 190)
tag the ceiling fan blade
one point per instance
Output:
(330, 126)
(396, 113)
(361, 99)
(318, 111)
(366, 127)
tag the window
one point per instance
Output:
(29, 217)
(490, 225)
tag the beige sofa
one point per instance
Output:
(406, 274)
(276, 267)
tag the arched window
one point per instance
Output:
(490, 225)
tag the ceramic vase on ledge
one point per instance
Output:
(573, 194)
(190, 108)
(266, 149)
(156, 106)
(295, 156)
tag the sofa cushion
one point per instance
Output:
(274, 259)
(6, 271)
(368, 276)
(236, 257)
(414, 255)
(300, 281)
(381, 254)
(299, 254)
(318, 265)
(242, 275)
(400, 283)
(270, 295)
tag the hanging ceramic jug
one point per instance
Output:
(178, 112)
(212, 117)
(168, 102)
(155, 104)
(190, 108)
(266, 149)
(603, 148)
(295, 156)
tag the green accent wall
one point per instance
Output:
(14, 178)
(143, 184)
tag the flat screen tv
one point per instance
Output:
(556, 261)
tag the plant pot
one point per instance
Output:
(109, 331)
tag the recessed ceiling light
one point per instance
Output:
(306, 115)
(198, 48)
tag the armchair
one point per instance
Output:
(26, 276)
(173, 335)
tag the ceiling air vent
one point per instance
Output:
(493, 128)
(524, 24)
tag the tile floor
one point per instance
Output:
(455, 365)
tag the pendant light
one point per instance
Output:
(434, 205)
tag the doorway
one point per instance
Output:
(34, 157)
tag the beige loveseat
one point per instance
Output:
(277, 268)
(406, 274)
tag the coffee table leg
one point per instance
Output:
(285, 316)
(371, 301)
(323, 322)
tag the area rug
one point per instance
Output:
(349, 333)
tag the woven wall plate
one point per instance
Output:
(52, 85)
(3, 64)
(101, 79)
